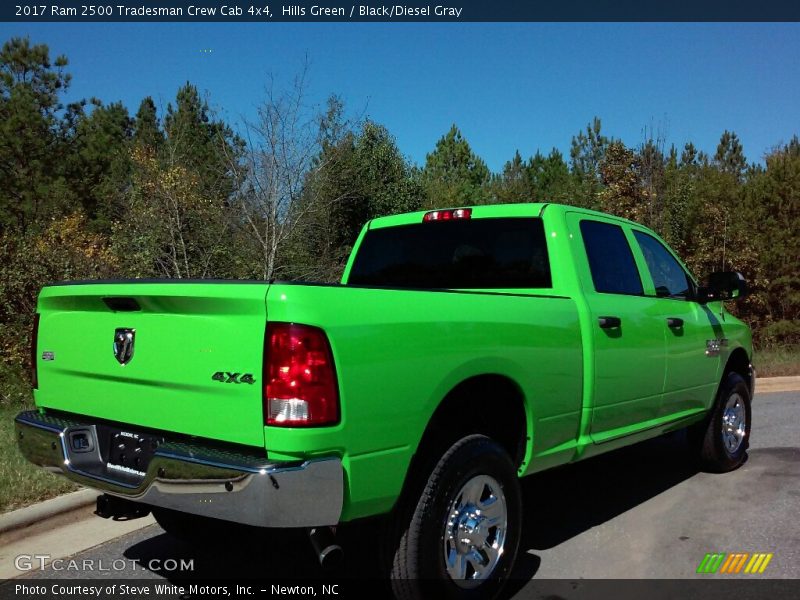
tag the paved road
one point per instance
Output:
(635, 513)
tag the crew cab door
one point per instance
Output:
(692, 369)
(626, 328)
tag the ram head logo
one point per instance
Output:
(123, 345)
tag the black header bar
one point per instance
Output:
(324, 11)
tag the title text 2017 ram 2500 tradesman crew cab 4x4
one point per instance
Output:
(464, 349)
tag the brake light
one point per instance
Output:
(299, 377)
(34, 352)
(447, 215)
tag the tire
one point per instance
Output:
(724, 437)
(474, 473)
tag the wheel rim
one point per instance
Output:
(734, 423)
(475, 531)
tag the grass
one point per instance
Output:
(777, 362)
(22, 483)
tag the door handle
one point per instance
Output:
(609, 322)
(674, 322)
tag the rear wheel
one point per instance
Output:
(724, 440)
(460, 539)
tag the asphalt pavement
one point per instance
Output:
(640, 512)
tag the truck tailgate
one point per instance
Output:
(182, 334)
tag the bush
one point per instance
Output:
(65, 249)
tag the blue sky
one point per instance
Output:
(523, 86)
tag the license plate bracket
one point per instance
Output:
(130, 452)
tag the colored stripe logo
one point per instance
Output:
(735, 562)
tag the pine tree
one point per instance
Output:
(98, 164)
(730, 155)
(514, 184)
(32, 147)
(453, 174)
(146, 129)
(551, 178)
(586, 156)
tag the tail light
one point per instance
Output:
(34, 351)
(299, 377)
(447, 215)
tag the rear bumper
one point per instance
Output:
(194, 478)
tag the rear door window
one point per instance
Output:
(610, 259)
(489, 253)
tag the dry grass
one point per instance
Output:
(777, 362)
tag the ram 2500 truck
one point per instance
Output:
(464, 349)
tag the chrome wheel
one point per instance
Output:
(734, 423)
(475, 531)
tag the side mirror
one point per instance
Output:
(723, 285)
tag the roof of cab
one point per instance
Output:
(528, 209)
(522, 209)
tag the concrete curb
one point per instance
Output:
(16, 519)
(766, 385)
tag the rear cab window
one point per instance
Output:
(483, 253)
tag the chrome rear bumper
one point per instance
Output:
(194, 478)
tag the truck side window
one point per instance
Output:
(610, 259)
(668, 276)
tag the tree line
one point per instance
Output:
(90, 190)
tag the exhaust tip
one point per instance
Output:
(329, 554)
(331, 557)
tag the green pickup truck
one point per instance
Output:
(463, 349)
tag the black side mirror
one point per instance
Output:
(723, 285)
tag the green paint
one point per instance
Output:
(398, 353)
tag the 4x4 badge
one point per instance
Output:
(123, 345)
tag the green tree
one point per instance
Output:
(772, 209)
(586, 155)
(678, 194)
(551, 178)
(146, 128)
(98, 164)
(729, 157)
(361, 176)
(31, 144)
(173, 219)
(514, 184)
(200, 143)
(453, 174)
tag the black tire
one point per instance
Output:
(713, 452)
(418, 568)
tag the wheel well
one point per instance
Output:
(738, 362)
(492, 405)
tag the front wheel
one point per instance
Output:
(724, 441)
(461, 538)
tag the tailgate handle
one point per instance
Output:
(122, 304)
(609, 322)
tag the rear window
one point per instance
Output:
(480, 253)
